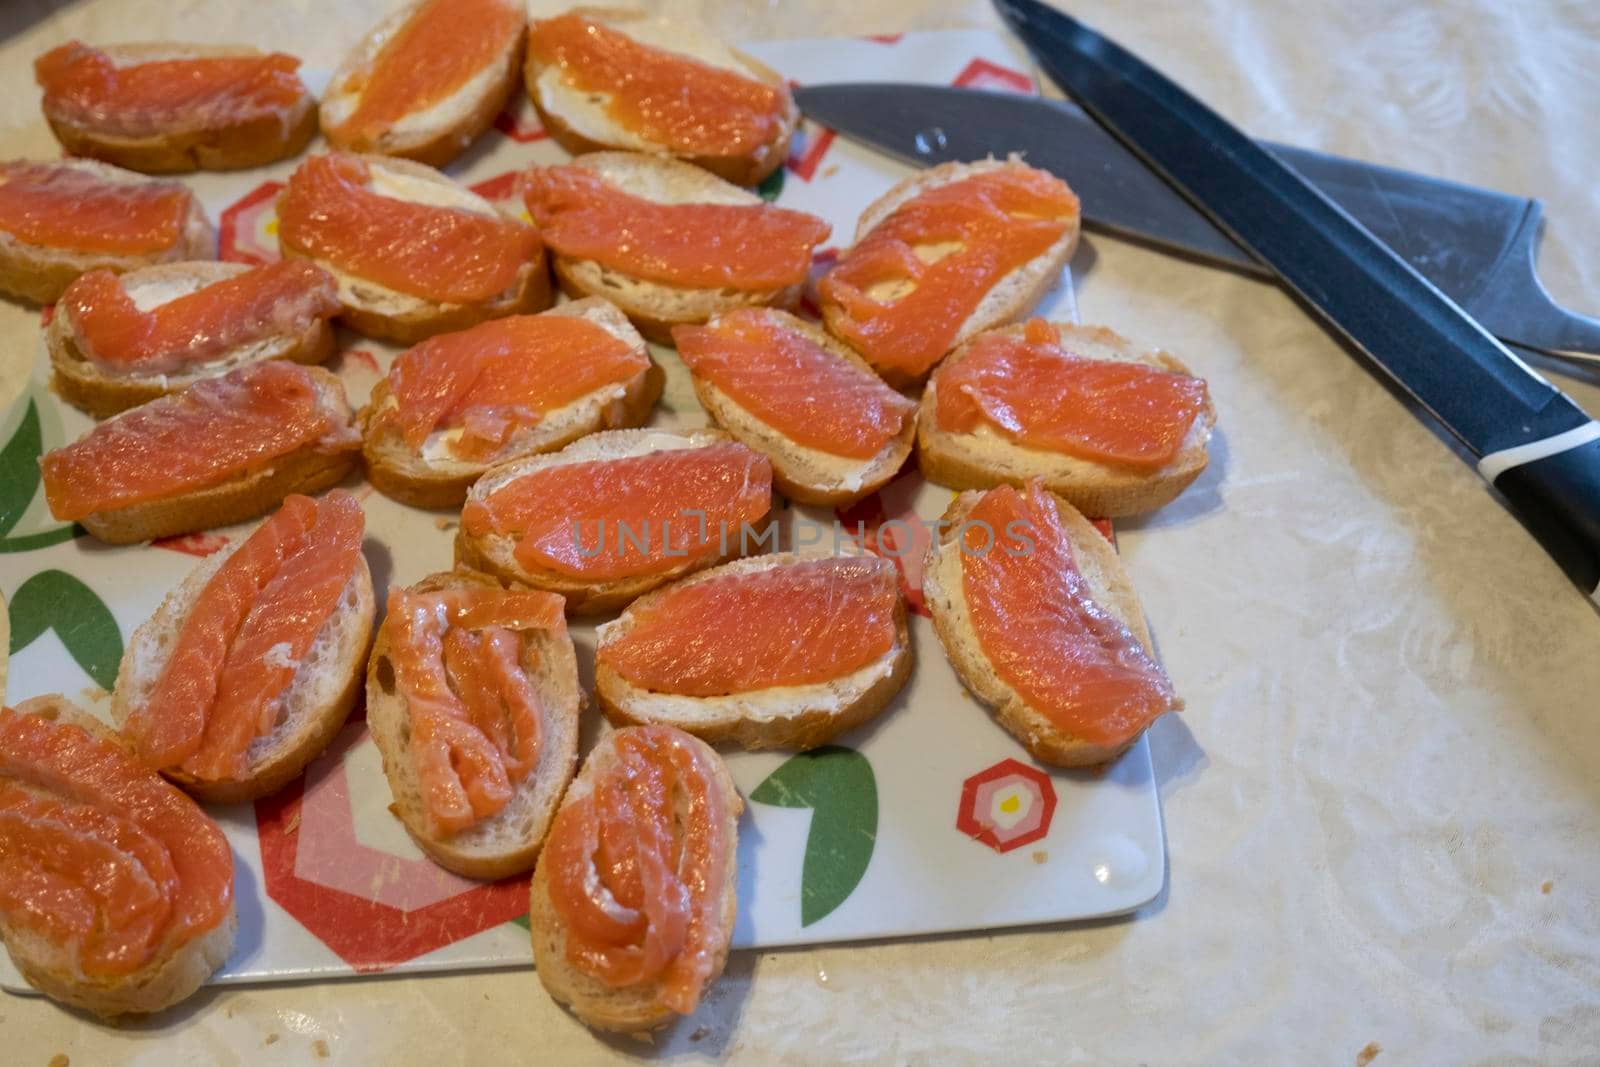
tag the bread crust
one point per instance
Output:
(632, 1009)
(238, 498)
(388, 718)
(166, 980)
(434, 145)
(967, 461)
(403, 474)
(1112, 589)
(1008, 300)
(40, 273)
(233, 145)
(83, 385)
(794, 717)
(745, 168)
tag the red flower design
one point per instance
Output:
(1007, 805)
(982, 74)
(193, 544)
(249, 230)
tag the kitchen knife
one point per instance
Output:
(1534, 445)
(1478, 246)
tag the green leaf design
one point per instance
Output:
(838, 785)
(55, 600)
(19, 481)
(772, 185)
(522, 921)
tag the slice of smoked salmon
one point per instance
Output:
(637, 867)
(798, 623)
(330, 213)
(794, 385)
(99, 854)
(614, 518)
(436, 51)
(86, 87)
(213, 430)
(503, 376)
(283, 619)
(907, 286)
(665, 97)
(748, 247)
(476, 721)
(1040, 395)
(1037, 620)
(58, 205)
(278, 300)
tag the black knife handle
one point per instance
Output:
(1556, 495)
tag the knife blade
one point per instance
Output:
(1534, 445)
(1478, 246)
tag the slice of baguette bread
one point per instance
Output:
(325, 688)
(495, 553)
(78, 381)
(580, 122)
(436, 134)
(801, 472)
(1008, 300)
(433, 478)
(51, 968)
(507, 842)
(41, 273)
(985, 458)
(388, 314)
(242, 496)
(656, 307)
(944, 593)
(794, 716)
(635, 1009)
(222, 143)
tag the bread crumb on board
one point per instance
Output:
(320, 1047)
(60, 1059)
(1368, 1054)
(272, 1039)
(1040, 855)
(1545, 889)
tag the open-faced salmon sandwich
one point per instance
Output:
(618, 513)
(1041, 623)
(473, 699)
(459, 403)
(63, 218)
(119, 341)
(831, 427)
(1113, 428)
(251, 665)
(947, 253)
(162, 107)
(413, 252)
(779, 651)
(667, 242)
(632, 905)
(427, 81)
(221, 451)
(615, 78)
(116, 890)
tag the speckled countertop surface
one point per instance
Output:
(1383, 804)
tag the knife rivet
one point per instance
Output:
(930, 141)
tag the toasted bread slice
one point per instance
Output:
(41, 273)
(82, 384)
(240, 497)
(794, 716)
(429, 478)
(216, 142)
(388, 314)
(655, 307)
(164, 981)
(435, 134)
(635, 1009)
(801, 472)
(944, 594)
(1008, 300)
(326, 684)
(507, 842)
(495, 553)
(579, 121)
(985, 458)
